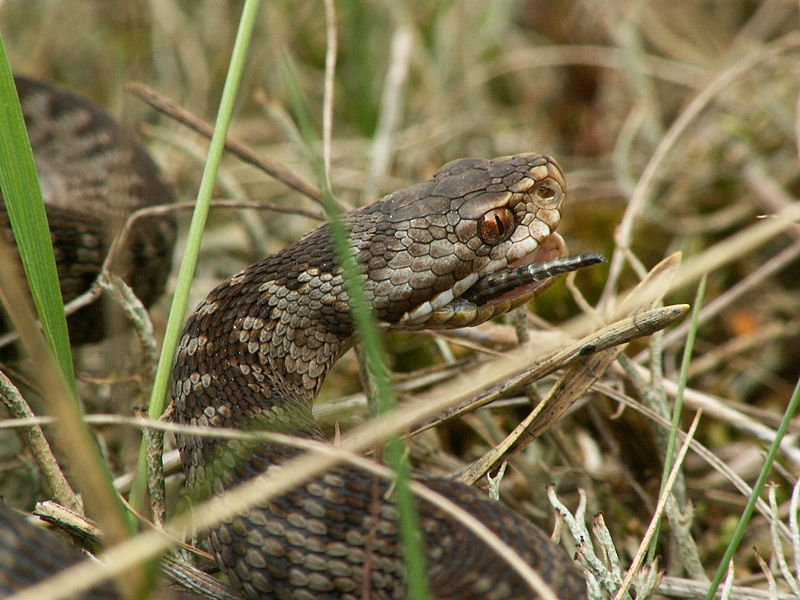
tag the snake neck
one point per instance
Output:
(256, 351)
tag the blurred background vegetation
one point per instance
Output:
(600, 85)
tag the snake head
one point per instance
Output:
(473, 219)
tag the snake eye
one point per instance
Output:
(496, 225)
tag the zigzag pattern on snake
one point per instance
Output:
(256, 351)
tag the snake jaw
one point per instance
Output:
(437, 310)
(552, 247)
(449, 310)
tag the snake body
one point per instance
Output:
(255, 352)
(93, 176)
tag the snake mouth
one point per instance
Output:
(509, 285)
(478, 298)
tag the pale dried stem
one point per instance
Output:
(73, 437)
(720, 410)
(598, 56)
(771, 585)
(95, 291)
(617, 333)
(137, 316)
(37, 443)
(727, 588)
(712, 459)
(262, 488)
(259, 489)
(628, 38)
(794, 511)
(185, 575)
(719, 356)
(392, 101)
(748, 284)
(777, 544)
(797, 126)
(676, 587)
(330, 73)
(575, 380)
(598, 576)
(243, 151)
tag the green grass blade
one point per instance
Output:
(367, 330)
(738, 533)
(360, 54)
(23, 201)
(186, 273)
(677, 411)
(19, 182)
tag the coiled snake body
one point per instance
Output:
(256, 351)
(93, 176)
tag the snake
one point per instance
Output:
(93, 175)
(456, 250)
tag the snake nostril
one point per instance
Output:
(549, 194)
(496, 225)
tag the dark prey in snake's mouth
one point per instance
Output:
(523, 277)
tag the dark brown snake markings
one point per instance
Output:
(256, 351)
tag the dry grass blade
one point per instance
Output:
(74, 436)
(620, 332)
(579, 376)
(643, 190)
(19, 409)
(95, 291)
(676, 587)
(247, 154)
(662, 503)
(721, 410)
(575, 380)
(601, 56)
(744, 489)
(181, 573)
(320, 457)
(750, 283)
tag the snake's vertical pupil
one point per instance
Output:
(496, 225)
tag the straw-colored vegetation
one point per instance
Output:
(676, 123)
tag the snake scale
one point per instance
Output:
(254, 355)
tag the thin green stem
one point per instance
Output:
(677, 411)
(738, 533)
(194, 236)
(367, 330)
